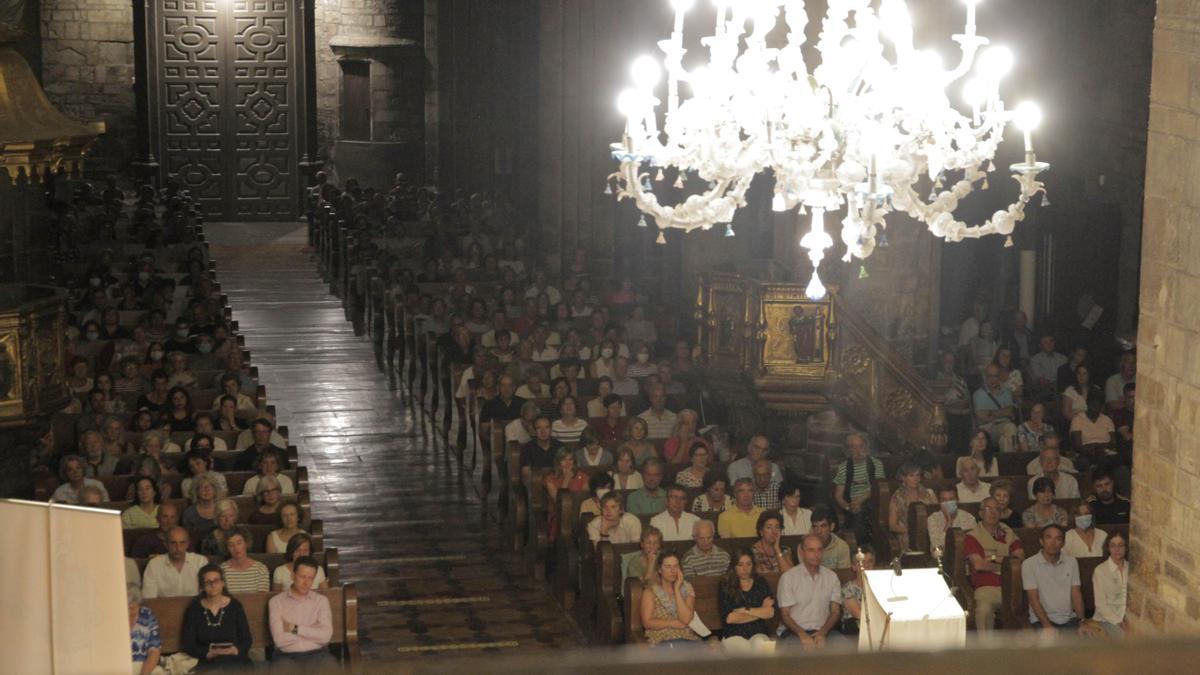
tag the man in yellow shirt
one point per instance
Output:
(742, 519)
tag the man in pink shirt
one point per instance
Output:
(301, 623)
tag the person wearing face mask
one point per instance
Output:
(947, 517)
(91, 332)
(180, 340)
(155, 359)
(1085, 540)
(204, 359)
(642, 367)
(603, 366)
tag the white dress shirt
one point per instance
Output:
(162, 580)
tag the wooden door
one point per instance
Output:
(225, 95)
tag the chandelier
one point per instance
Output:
(860, 132)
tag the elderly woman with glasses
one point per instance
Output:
(269, 497)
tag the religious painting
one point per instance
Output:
(797, 336)
(9, 379)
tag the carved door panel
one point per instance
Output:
(223, 92)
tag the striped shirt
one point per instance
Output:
(253, 579)
(697, 563)
(659, 426)
(858, 484)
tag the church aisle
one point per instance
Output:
(409, 533)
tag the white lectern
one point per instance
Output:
(62, 576)
(913, 611)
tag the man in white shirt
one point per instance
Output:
(946, 517)
(675, 523)
(810, 597)
(1065, 485)
(173, 574)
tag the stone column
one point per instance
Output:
(1164, 590)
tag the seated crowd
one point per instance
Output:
(167, 425)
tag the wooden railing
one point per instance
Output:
(804, 356)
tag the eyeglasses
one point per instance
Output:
(212, 582)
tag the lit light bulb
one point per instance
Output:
(974, 93)
(995, 63)
(628, 103)
(815, 290)
(779, 203)
(682, 5)
(646, 72)
(1027, 116)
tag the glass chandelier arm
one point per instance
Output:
(939, 217)
(700, 211)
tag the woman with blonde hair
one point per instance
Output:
(636, 439)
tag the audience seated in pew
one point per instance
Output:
(852, 592)
(625, 472)
(1044, 511)
(746, 604)
(674, 522)
(614, 525)
(1084, 540)
(299, 546)
(175, 573)
(204, 493)
(1109, 586)
(742, 519)
(985, 548)
(668, 606)
(226, 524)
(946, 517)
(660, 422)
(1002, 492)
(1053, 586)
(539, 453)
(270, 463)
(147, 501)
(243, 574)
(770, 555)
(810, 597)
(704, 558)
(590, 452)
(155, 542)
(302, 621)
(215, 629)
(199, 461)
(289, 516)
(144, 639)
(1105, 503)
(638, 563)
(1050, 460)
(637, 439)
(715, 497)
(74, 480)
(651, 498)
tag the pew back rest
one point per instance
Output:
(343, 604)
(707, 603)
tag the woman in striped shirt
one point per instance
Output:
(243, 574)
(568, 427)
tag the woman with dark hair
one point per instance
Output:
(1109, 583)
(180, 415)
(110, 325)
(610, 427)
(1075, 397)
(243, 573)
(984, 453)
(215, 629)
(700, 459)
(590, 452)
(599, 485)
(715, 496)
(770, 555)
(745, 602)
(144, 512)
(299, 546)
(568, 427)
(1044, 511)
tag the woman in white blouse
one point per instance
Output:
(796, 519)
(625, 474)
(1084, 540)
(1109, 585)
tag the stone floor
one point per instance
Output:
(410, 531)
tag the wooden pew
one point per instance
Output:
(918, 526)
(327, 559)
(246, 506)
(315, 529)
(610, 621)
(707, 603)
(1014, 607)
(118, 486)
(343, 601)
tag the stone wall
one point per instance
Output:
(87, 72)
(1164, 590)
(389, 35)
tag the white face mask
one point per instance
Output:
(92, 335)
(182, 332)
(607, 352)
(642, 357)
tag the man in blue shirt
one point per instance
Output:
(995, 410)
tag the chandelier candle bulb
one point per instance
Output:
(971, 16)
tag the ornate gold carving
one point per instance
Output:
(899, 404)
(855, 360)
